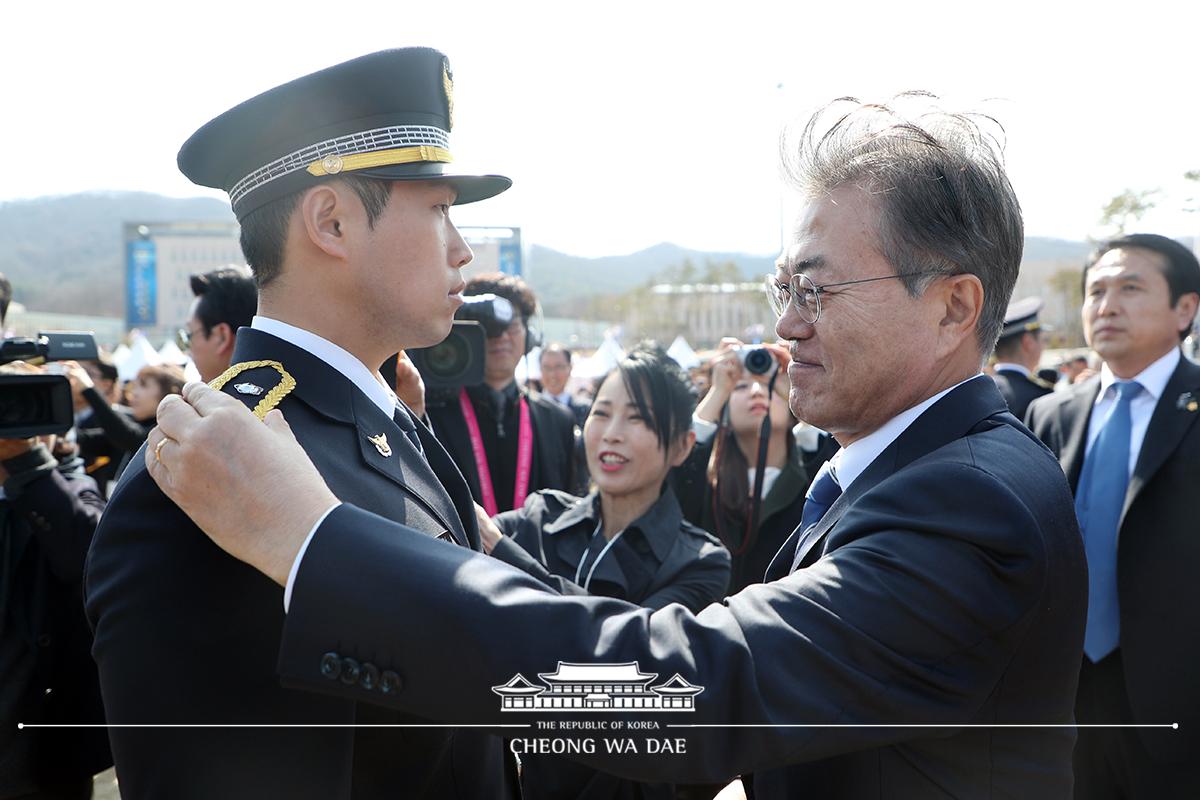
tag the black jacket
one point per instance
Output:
(1019, 390)
(47, 519)
(187, 634)
(946, 586)
(553, 442)
(1158, 552)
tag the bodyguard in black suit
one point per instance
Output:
(937, 578)
(348, 233)
(1017, 354)
(1136, 498)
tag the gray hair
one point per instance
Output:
(945, 203)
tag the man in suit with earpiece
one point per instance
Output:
(508, 442)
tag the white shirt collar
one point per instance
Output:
(368, 382)
(1153, 378)
(853, 459)
(1008, 366)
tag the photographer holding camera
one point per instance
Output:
(48, 512)
(508, 442)
(719, 485)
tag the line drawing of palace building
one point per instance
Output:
(597, 687)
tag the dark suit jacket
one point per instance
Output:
(553, 445)
(1019, 390)
(1158, 552)
(946, 586)
(184, 633)
(46, 521)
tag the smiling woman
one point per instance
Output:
(627, 538)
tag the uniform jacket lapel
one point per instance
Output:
(1170, 421)
(332, 395)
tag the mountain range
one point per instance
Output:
(65, 254)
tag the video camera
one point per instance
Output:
(459, 359)
(34, 405)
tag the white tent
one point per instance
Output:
(141, 353)
(683, 353)
(171, 354)
(600, 362)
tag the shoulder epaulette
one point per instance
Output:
(264, 390)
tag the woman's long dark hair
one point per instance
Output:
(660, 389)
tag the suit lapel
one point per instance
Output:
(950, 418)
(1168, 424)
(1074, 417)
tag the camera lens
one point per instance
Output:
(450, 358)
(758, 361)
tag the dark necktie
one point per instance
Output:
(822, 493)
(1099, 499)
(405, 422)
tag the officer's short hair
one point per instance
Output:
(226, 295)
(265, 229)
(555, 347)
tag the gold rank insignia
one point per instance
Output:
(381, 444)
(273, 396)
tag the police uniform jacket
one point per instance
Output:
(1019, 389)
(1158, 552)
(186, 634)
(947, 586)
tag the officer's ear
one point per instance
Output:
(323, 219)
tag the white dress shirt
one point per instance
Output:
(853, 459)
(1154, 381)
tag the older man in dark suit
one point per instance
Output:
(1129, 442)
(933, 597)
(339, 183)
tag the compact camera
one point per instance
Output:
(756, 360)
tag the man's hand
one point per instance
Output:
(409, 386)
(248, 485)
(489, 534)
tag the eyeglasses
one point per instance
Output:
(183, 338)
(801, 293)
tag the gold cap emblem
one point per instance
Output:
(381, 444)
(448, 86)
(332, 164)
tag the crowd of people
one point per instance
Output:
(837, 533)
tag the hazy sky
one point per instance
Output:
(626, 124)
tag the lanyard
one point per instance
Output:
(524, 454)
(579, 570)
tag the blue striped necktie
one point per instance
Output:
(1099, 500)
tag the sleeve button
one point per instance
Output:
(350, 670)
(390, 682)
(369, 677)
(331, 666)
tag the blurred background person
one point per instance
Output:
(226, 300)
(48, 513)
(555, 363)
(716, 483)
(627, 538)
(124, 431)
(101, 455)
(1018, 353)
(506, 440)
